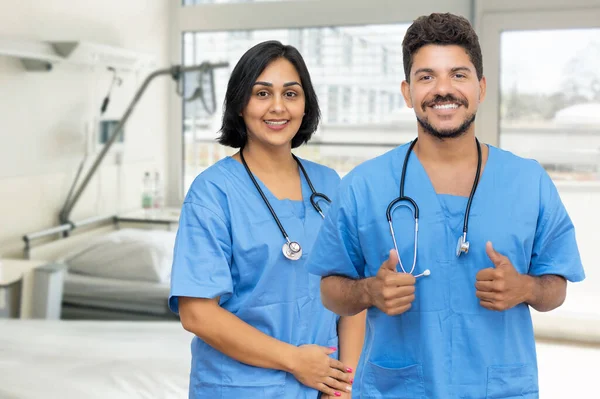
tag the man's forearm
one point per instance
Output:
(345, 296)
(546, 292)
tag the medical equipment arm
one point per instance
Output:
(222, 330)
(176, 72)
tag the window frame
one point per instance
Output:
(492, 17)
(277, 15)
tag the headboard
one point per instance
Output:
(55, 250)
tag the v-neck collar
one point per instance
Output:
(281, 206)
(425, 188)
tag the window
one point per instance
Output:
(347, 43)
(332, 105)
(384, 61)
(297, 39)
(315, 49)
(360, 117)
(202, 2)
(549, 110)
(550, 100)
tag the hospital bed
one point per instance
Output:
(141, 359)
(114, 271)
(104, 296)
(93, 359)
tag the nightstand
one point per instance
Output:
(30, 289)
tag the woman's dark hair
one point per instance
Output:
(239, 90)
(441, 29)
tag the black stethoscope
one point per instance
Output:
(463, 244)
(291, 249)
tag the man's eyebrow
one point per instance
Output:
(423, 70)
(461, 69)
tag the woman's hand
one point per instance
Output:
(343, 395)
(313, 367)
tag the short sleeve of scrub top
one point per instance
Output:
(202, 252)
(555, 247)
(338, 251)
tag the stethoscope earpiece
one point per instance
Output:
(425, 273)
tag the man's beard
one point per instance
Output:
(447, 133)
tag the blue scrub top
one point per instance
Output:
(447, 345)
(229, 245)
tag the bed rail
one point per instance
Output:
(64, 230)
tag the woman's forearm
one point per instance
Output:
(235, 338)
(351, 333)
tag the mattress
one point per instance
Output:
(126, 295)
(138, 360)
(93, 359)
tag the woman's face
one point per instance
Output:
(276, 107)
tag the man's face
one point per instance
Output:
(444, 90)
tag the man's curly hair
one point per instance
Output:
(441, 29)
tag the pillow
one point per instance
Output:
(128, 254)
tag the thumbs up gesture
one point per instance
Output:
(390, 291)
(501, 287)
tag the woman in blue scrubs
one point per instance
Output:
(237, 283)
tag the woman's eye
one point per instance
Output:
(291, 94)
(262, 93)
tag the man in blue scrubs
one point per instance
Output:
(463, 328)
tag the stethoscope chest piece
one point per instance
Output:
(292, 250)
(462, 246)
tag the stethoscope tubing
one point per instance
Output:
(415, 208)
(313, 198)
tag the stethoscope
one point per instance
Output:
(291, 249)
(463, 244)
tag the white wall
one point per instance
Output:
(43, 114)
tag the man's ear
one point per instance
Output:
(405, 88)
(482, 89)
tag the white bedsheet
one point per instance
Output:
(85, 359)
(118, 360)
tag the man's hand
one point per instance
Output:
(390, 291)
(501, 287)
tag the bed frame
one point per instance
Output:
(52, 244)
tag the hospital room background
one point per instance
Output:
(109, 109)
